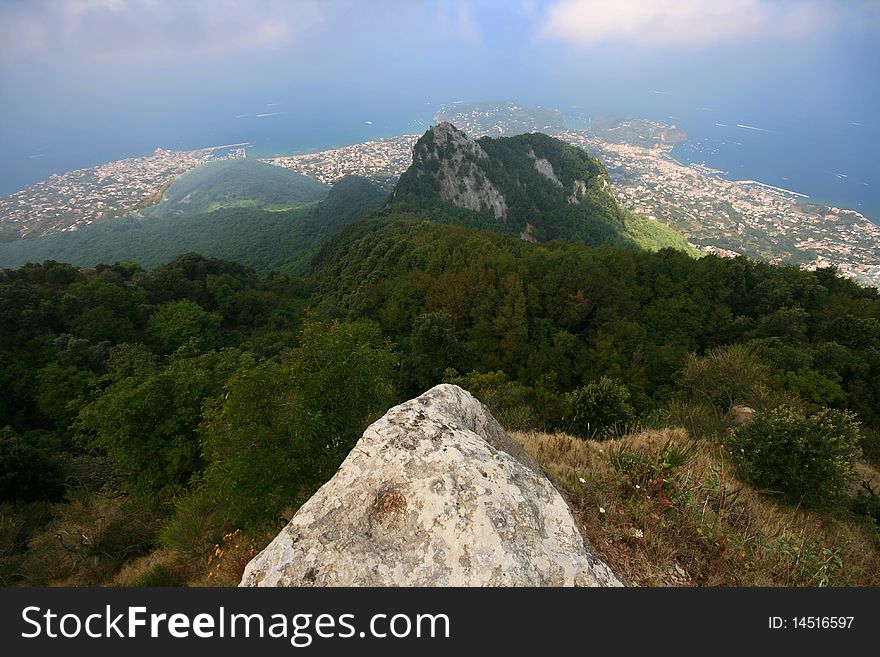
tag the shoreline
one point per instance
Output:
(791, 195)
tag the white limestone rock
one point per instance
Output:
(435, 493)
(468, 191)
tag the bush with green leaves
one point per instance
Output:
(807, 459)
(598, 408)
(143, 415)
(652, 471)
(280, 430)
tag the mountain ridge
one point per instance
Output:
(530, 185)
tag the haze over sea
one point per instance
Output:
(90, 82)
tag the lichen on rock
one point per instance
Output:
(435, 493)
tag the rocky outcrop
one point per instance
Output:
(461, 182)
(739, 415)
(580, 188)
(526, 234)
(545, 168)
(435, 493)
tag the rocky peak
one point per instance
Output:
(447, 135)
(453, 159)
(435, 493)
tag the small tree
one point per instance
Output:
(280, 430)
(808, 459)
(726, 376)
(597, 408)
(177, 323)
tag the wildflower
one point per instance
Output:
(601, 509)
(638, 487)
(638, 533)
(582, 480)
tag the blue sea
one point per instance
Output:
(830, 158)
(271, 126)
(833, 163)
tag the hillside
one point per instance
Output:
(260, 238)
(237, 183)
(626, 372)
(530, 185)
(264, 385)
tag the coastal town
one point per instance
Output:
(731, 218)
(719, 216)
(71, 200)
(378, 160)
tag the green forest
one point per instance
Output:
(160, 424)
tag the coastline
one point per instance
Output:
(804, 193)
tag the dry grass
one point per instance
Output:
(84, 542)
(222, 565)
(161, 567)
(696, 524)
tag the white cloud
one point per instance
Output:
(468, 27)
(110, 29)
(683, 22)
(452, 21)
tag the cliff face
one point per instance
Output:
(434, 494)
(443, 155)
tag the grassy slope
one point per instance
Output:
(699, 525)
(655, 235)
(237, 183)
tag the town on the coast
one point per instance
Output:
(724, 217)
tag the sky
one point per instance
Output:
(86, 81)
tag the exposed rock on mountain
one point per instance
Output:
(443, 153)
(434, 494)
(511, 182)
(543, 166)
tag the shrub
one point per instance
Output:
(597, 408)
(144, 417)
(727, 376)
(808, 459)
(652, 471)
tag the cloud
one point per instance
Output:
(110, 29)
(468, 27)
(686, 22)
(118, 32)
(457, 21)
